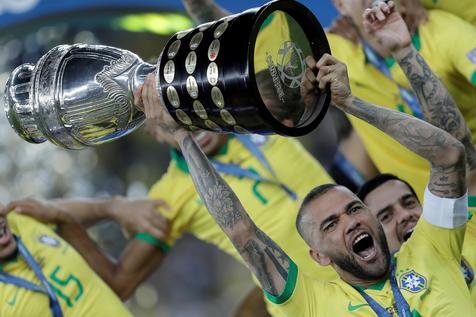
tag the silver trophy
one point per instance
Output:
(76, 96)
(239, 74)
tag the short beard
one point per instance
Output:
(349, 264)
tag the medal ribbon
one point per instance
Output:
(17, 281)
(403, 309)
(236, 170)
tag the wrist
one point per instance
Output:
(112, 205)
(180, 134)
(346, 103)
(402, 52)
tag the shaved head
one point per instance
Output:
(304, 222)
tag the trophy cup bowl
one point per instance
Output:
(241, 74)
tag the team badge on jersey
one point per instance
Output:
(472, 56)
(48, 240)
(413, 282)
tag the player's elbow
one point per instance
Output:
(123, 288)
(452, 154)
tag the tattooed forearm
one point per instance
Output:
(267, 261)
(203, 11)
(220, 200)
(438, 106)
(445, 153)
(265, 258)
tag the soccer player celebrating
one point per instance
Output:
(340, 229)
(143, 252)
(42, 275)
(392, 200)
(394, 203)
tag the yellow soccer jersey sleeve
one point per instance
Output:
(469, 251)
(79, 290)
(427, 274)
(462, 8)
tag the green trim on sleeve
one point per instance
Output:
(288, 288)
(164, 247)
(471, 201)
(473, 79)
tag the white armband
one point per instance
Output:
(446, 213)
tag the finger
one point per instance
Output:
(155, 232)
(367, 15)
(308, 87)
(138, 97)
(326, 80)
(379, 14)
(310, 76)
(327, 60)
(148, 103)
(159, 223)
(151, 95)
(391, 6)
(311, 62)
(385, 8)
(162, 204)
(368, 27)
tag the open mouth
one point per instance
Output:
(364, 246)
(408, 234)
(4, 234)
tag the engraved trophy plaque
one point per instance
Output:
(241, 74)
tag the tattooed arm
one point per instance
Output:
(445, 154)
(264, 257)
(202, 11)
(438, 106)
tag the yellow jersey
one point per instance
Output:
(78, 289)
(465, 9)
(427, 272)
(270, 207)
(469, 251)
(448, 44)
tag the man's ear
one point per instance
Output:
(323, 260)
(340, 6)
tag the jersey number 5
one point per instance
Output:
(60, 286)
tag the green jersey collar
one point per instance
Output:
(376, 287)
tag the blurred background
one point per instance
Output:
(196, 279)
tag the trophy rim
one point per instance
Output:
(310, 26)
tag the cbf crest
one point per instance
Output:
(413, 282)
(49, 240)
(291, 64)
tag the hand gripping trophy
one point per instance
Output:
(241, 74)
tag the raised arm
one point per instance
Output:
(438, 106)
(142, 255)
(445, 154)
(202, 11)
(264, 257)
